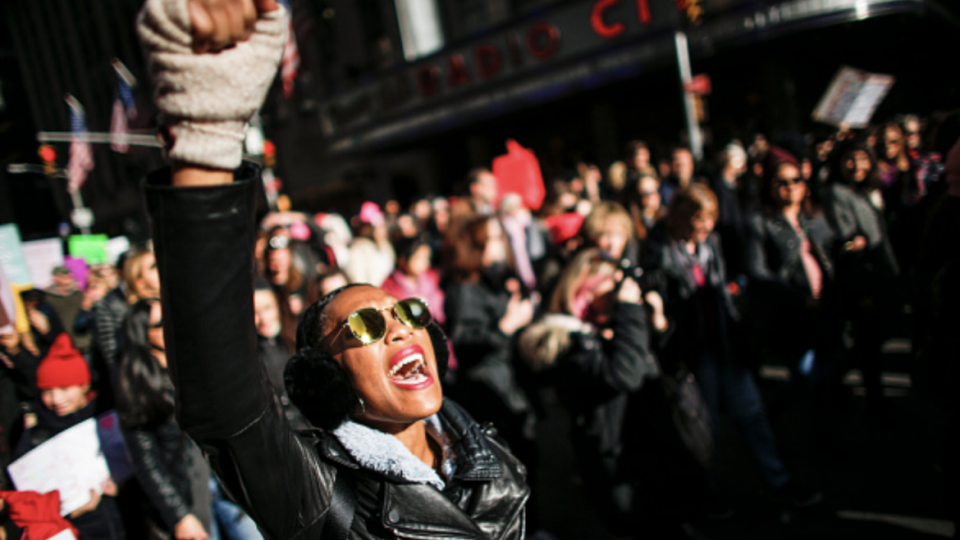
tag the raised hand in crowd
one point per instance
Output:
(657, 317)
(205, 100)
(218, 24)
(519, 310)
(629, 292)
(38, 320)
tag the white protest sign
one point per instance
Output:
(852, 97)
(42, 257)
(116, 247)
(70, 462)
(11, 256)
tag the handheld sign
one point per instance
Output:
(11, 255)
(852, 97)
(89, 247)
(42, 257)
(519, 172)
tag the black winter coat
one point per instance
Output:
(780, 311)
(774, 264)
(18, 385)
(594, 377)
(701, 318)
(108, 316)
(163, 464)
(284, 480)
(868, 276)
(486, 379)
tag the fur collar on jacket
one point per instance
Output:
(544, 341)
(385, 454)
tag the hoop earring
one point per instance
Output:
(363, 405)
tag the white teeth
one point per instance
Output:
(412, 358)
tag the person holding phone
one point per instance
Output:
(389, 456)
(593, 348)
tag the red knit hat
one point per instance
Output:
(63, 366)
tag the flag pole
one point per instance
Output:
(689, 102)
(81, 216)
(123, 72)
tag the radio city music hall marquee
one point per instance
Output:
(567, 32)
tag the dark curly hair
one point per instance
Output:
(144, 390)
(317, 384)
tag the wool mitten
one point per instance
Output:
(206, 100)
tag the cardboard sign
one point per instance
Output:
(519, 172)
(852, 97)
(89, 247)
(11, 256)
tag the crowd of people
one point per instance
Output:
(642, 296)
(629, 295)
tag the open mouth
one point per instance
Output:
(411, 366)
(409, 369)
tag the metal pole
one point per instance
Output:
(133, 139)
(77, 199)
(689, 104)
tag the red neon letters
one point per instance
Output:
(611, 30)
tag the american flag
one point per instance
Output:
(124, 107)
(81, 154)
(290, 63)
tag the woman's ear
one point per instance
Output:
(320, 388)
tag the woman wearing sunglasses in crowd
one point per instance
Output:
(788, 263)
(390, 457)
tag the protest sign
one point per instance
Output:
(115, 247)
(852, 97)
(21, 323)
(78, 268)
(89, 247)
(11, 256)
(70, 462)
(42, 257)
(519, 172)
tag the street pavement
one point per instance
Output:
(879, 476)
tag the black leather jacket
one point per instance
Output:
(773, 256)
(159, 457)
(594, 377)
(204, 244)
(701, 318)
